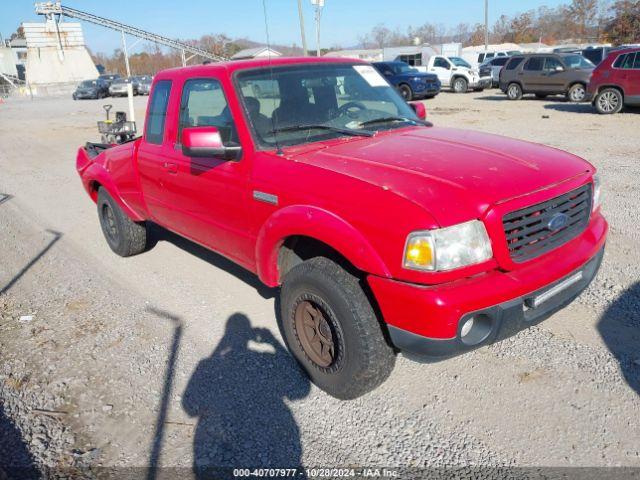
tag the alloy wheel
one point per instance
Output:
(608, 102)
(578, 94)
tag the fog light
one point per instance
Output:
(476, 329)
(466, 327)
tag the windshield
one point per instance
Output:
(307, 103)
(402, 68)
(459, 62)
(578, 61)
(88, 83)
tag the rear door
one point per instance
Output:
(630, 78)
(531, 75)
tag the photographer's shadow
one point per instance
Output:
(620, 330)
(238, 395)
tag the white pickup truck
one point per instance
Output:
(456, 74)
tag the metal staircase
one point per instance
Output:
(51, 9)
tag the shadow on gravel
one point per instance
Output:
(238, 395)
(159, 234)
(158, 437)
(572, 108)
(620, 330)
(56, 236)
(15, 459)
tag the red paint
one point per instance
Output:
(361, 196)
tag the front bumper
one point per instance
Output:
(86, 94)
(426, 320)
(483, 82)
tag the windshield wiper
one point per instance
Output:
(394, 119)
(320, 126)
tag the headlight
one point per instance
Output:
(448, 248)
(597, 192)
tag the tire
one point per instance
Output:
(609, 101)
(406, 92)
(124, 236)
(577, 93)
(460, 85)
(541, 96)
(74, 96)
(319, 299)
(514, 91)
(480, 89)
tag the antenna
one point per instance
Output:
(273, 125)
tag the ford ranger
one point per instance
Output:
(384, 234)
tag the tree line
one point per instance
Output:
(581, 21)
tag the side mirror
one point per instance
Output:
(559, 68)
(420, 109)
(206, 142)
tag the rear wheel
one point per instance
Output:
(577, 93)
(332, 330)
(406, 92)
(460, 85)
(124, 236)
(609, 101)
(514, 91)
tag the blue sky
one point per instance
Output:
(343, 21)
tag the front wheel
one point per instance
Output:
(124, 236)
(460, 85)
(406, 92)
(514, 91)
(577, 93)
(332, 330)
(609, 101)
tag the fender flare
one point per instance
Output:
(96, 173)
(321, 225)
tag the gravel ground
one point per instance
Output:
(174, 358)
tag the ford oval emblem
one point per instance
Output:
(558, 222)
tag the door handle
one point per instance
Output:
(171, 167)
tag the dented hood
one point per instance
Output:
(455, 174)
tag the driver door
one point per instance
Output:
(442, 68)
(208, 196)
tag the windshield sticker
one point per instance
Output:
(371, 75)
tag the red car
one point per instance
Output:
(383, 232)
(616, 82)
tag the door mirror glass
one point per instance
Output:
(559, 68)
(206, 142)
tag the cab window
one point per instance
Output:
(203, 104)
(441, 63)
(158, 112)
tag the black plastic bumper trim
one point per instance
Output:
(509, 318)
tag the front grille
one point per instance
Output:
(528, 232)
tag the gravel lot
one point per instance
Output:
(121, 362)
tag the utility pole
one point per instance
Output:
(304, 38)
(486, 25)
(318, 4)
(132, 115)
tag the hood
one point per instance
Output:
(423, 75)
(456, 175)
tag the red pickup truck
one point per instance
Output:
(384, 233)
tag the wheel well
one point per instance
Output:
(455, 77)
(297, 249)
(614, 87)
(94, 186)
(576, 83)
(405, 84)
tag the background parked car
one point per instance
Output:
(144, 84)
(119, 87)
(495, 65)
(410, 82)
(547, 74)
(109, 78)
(91, 89)
(616, 82)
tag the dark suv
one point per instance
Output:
(547, 74)
(410, 82)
